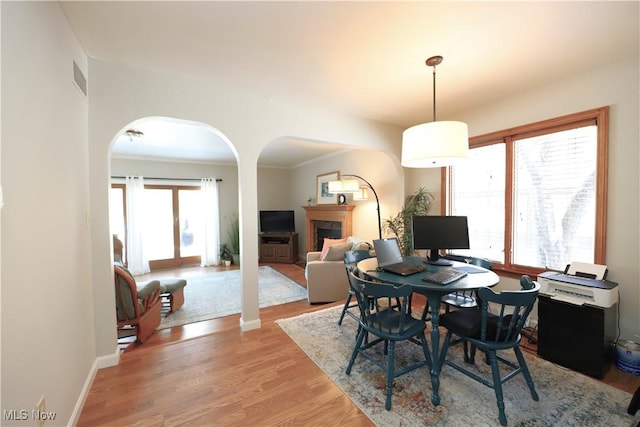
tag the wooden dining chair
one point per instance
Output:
(381, 317)
(492, 333)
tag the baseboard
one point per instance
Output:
(99, 363)
(250, 325)
(110, 360)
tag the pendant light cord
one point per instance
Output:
(432, 62)
(434, 93)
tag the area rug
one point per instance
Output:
(218, 294)
(566, 397)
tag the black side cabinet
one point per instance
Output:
(578, 337)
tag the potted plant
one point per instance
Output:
(234, 238)
(225, 255)
(418, 203)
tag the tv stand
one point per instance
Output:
(278, 247)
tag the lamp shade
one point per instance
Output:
(350, 185)
(344, 186)
(335, 187)
(435, 144)
(361, 194)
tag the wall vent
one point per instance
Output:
(79, 78)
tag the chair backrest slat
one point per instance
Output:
(355, 256)
(352, 258)
(515, 307)
(377, 297)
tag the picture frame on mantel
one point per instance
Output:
(323, 197)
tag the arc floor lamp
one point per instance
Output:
(359, 192)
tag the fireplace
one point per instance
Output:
(327, 221)
(326, 230)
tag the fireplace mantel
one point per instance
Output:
(336, 213)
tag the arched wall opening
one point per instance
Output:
(173, 155)
(290, 186)
(120, 94)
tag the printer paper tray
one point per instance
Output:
(569, 299)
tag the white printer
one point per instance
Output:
(580, 284)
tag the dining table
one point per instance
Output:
(476, 278)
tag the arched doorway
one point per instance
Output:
(172, 156)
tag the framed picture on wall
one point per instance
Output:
(323, 197)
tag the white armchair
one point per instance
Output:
(327, 279)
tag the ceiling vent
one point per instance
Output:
(79, 78)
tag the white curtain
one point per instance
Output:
(211, 222)
(137, 263)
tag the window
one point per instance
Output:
(172, 224)
(535, 195)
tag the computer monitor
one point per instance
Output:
(440, 232)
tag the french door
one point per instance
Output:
(171, 226)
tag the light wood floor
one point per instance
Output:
(211, 373)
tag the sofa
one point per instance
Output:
(325, 273)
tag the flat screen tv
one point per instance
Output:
(277, 222)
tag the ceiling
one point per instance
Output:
(360, 58)
(166, 138)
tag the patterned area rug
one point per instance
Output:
(217, 294)
(566, 397)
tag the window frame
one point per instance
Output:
(597, 116)
(177, 260)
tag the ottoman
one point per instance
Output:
(172, 293)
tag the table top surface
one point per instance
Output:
(476, 278)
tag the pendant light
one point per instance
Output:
(435, 144)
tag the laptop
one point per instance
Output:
(390, 258)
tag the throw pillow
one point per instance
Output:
(327, 244)
(361, 246)
(336, 252)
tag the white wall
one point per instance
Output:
(289, 188)
(380, 168)
(57, 305)
(173, 169)
(275, 185)
(429, 179)
(616, 85)
(228, 188)
(47, 307)
(121, 94)
(57, 294)
(274, 189)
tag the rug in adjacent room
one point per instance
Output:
(217, 294)
(567, 398)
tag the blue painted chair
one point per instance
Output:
(492, 333)
(464, 299)
(351, 259)
(381, 317)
